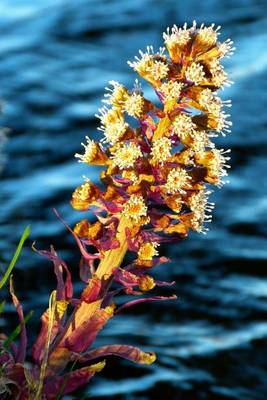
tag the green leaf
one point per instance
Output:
(16, 332)
(62, 388)
(2, 305)
(15, 257)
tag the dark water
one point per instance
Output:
(56, 58)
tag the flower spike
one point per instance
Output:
(159, 162)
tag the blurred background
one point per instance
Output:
(56, 58)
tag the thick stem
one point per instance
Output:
(113, 259)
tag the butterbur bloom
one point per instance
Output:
(93, 154)
(152, 66)
(126, 156)
(177, 179)
(161, 150)
(84, 196)
(147, 251)
(159, 161)
(170, 90)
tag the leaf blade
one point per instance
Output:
(15, 257)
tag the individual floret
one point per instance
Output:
(161, 150)
(135, 208)
(126, 156)
(177, 180)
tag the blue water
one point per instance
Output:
(56, 58)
